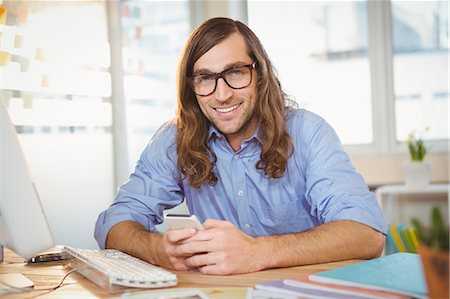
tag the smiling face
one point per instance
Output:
(231, 111)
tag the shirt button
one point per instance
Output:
(248, 226)
(240, 193)
(235, 157)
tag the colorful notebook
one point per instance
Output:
(399, 272)
(394, 231)
(279, 287)
(305, 282)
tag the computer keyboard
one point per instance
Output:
(113, 269)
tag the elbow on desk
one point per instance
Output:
(374, 245)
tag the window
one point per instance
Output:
(153, 36)
(328, 55)
(420, 63)
(55, 82)
(320, 50)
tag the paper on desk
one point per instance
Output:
(190, 293)
(171, 293)
(262, 294)
(227, 292)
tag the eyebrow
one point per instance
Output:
(227, 67)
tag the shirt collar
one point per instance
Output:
(214, 132)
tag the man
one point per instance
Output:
(272, 183)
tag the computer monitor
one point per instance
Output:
(23, 226)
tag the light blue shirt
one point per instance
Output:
(320, 185)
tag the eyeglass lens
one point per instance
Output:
(236, 78)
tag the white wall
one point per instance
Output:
(387, 168)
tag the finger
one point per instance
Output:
(181, 267)
(201, 260)
(212, 223)
(180, 264)
(192, 248)
(201, 235)
(177, 235)
(213, 270)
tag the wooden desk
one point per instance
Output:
(77, 286)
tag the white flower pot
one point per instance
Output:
(417, 174)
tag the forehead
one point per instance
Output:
(231, 50)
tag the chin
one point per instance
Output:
(225, 131)
(233, 129)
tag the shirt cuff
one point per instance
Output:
(373, 218)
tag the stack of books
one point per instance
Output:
(401, 239)
(395, 276)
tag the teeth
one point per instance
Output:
(225, 110)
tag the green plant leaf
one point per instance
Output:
(417, 148)
(422, 234)
(439, 231)
(437, 235)
(412, 151)
(421, 150)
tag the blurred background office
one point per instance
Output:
(87, 83)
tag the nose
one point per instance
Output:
(223, 91)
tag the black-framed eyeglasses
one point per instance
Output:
(236, 77)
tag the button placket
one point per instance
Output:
(240, 163)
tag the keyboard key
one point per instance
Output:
(115, 269)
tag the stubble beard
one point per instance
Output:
(243, 127)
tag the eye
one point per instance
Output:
(204, 78)
(236, 72)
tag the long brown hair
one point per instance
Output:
(195, 158)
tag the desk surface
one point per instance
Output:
(76, 286)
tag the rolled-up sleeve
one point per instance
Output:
(334, 190)
(153, 187)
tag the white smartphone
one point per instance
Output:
(177, 221)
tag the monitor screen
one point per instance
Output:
(23, 225)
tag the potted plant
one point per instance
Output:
(434, 253)
(417, 171)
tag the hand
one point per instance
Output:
(169, 256)
(220, 249)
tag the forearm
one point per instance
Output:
(334, 241)
(132, 238)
